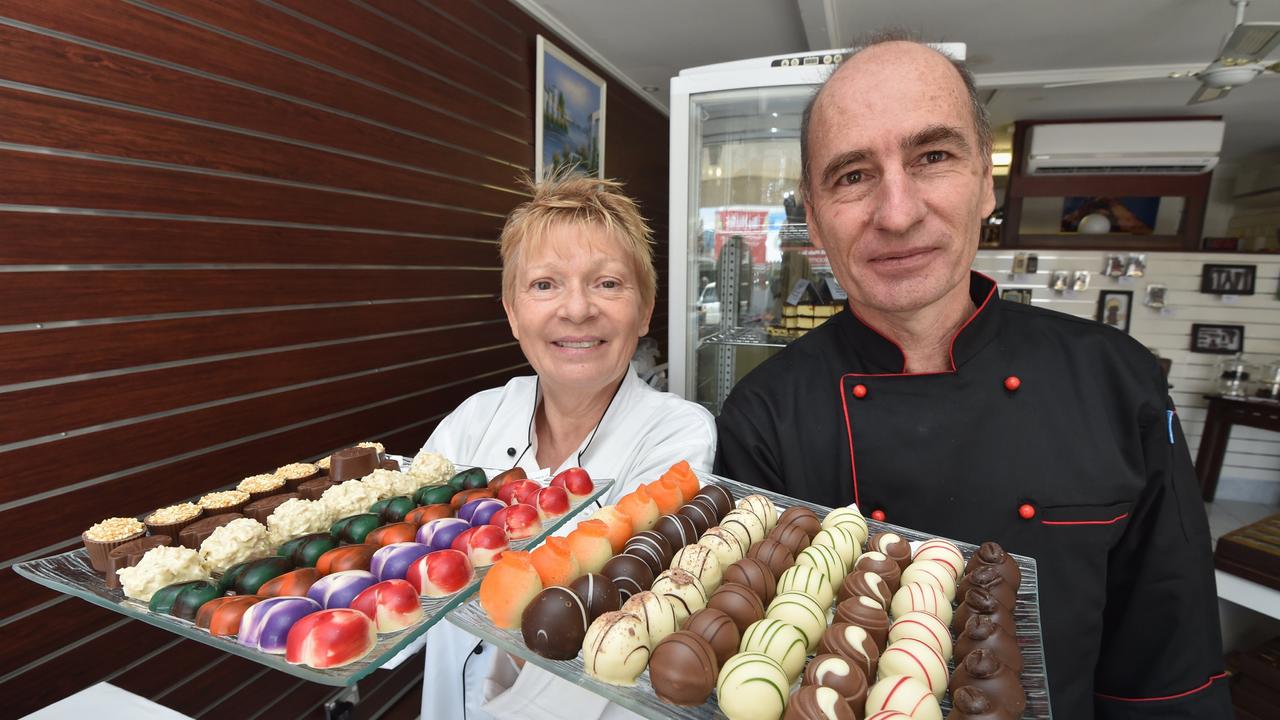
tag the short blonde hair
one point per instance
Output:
(583, 201)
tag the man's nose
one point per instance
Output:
(900, 204)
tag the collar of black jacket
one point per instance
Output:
(882, 356)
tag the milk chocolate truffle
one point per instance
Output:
(314, 488)
(352, 464)
(839, 674)
(629, 574)
(651, 547)
(980, 632)
(803, 517)
(719, 497)
(717, 629)
(865, 582)
(866, 614)
(971, 703)
(755, 575)
(853, 643)
(817, 702)
(701, 515)
(990, 553)
(880, 564)
(983, 670)
(739, 603)
(980, 602)
(774, 555)
(677, 529)
(554, 623)
(683, 669)
(128, 555)
(893, 545)
(616, 648)
(197, 532)
(989, 578)
(260, 510)
(794, 537)
(598, 593)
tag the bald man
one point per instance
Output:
(937, 406)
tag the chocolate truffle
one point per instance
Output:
(700, 561)
(774, 555)
(677, 529)
(990, 553)
(983, 670)
(854, 643)
(763, 508)
(866, 614)
(718, 630)
(128, 555)
(260, 510)
(701, 515)
(351, 464)
(817, 702)
(739, 603)
(598, 593)
(197, 532)
(682, 590)
(934, 573)
(745, 524)
(971, 703)
(721, 500)
(865, 582)
(809, 581)
(841, 675)
(781, 641)
(754, 574)
(894, 546)
(656, 612)
(651, 547)
(554, 623)
(806, 519)
(880, 564)
(727, 546)
(629, 574)
(980, 632)
(921, 597)
(752, 686)
(793, 536)
(314, 488)
(980, 602)
(988, 577)
(801, 611)
(683, 669)
(923, 627)
(918, 659)
(616, 648)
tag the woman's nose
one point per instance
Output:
(578, 305)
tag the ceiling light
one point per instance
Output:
(773, 130)
(1001, 159)
(774, 114)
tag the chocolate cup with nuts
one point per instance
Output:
(261, 486)
(156, 525)
(98, 549)
(295, 474)
(221, 509)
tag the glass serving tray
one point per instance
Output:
(71, 573)
(642, 700)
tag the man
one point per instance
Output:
(936, 406)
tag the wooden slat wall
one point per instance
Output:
(235, 235)
(1251, 469)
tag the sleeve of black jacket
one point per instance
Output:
(747, 439)
(1161, 654)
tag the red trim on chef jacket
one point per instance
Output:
(1207, 683)
(1115, 519)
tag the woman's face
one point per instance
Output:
(576, 307)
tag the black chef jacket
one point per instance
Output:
(1088, 441)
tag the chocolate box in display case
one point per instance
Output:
(642, 698)
(71, 573)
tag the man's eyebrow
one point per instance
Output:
(933, 135)
(839, 161)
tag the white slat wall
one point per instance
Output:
(1251, 470)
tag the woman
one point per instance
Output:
(578, 286)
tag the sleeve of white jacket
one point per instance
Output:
(689, 434)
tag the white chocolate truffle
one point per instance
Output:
(656, 612)
(431, 468)
(700, 562)
(801, 611)
(943, 551)
(917, 659)
(741, 522)
(808, 580)
(904, 694)
(923, 597)
(824, 559)
(763, 508)
(781, 641)
(296, 517)
(752, 686)
(851, 517)
(349, 498)
(682, 590)
(161, 566)
(925, 627)
(386, 483)
(616, 648)
(727, 547)
(929, 571)
(842, 539)
(239, 540)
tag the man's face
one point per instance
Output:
(898, 183)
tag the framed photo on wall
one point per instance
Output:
(1217, 339)
(1228, 279)
(1115, 307)
(569, 119)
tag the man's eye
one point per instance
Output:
(851, 178)
(935, 156)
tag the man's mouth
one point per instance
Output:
(901, 255)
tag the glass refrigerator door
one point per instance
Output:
(748, 246)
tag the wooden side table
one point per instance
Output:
(1223, 413)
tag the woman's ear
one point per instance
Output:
(511, 315)
(648, 315)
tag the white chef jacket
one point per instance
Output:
(642, 434)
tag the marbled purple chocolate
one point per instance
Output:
(478, 511)
(339, 589)
(391, 562)
(439, 533)
(265, 625)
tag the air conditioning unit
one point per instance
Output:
(1161, 147)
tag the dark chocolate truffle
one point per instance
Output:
(852, 643)
(811, 702)
(865, 582)
(792, 536)
(598, 594)
(989, 578)
(739, 603)
(755, 575)
(683, 669)
(720, 498)
(702, 516)
(894, 546)
(197, 532)
(718, 630)
(990, 553)
(983, 670)
(774, 555)
(652, 548)
(260, 510)
(128, 555)
(629, 574)
(971, 703)
(981, 632)
(842, 675)
(880, 564)
(867, 614)
(978, 601)
(554, 623)
(678, 530)
(803, 517)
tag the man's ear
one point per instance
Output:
(815, 235)
(511, 316)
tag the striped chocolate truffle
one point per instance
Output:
(752, 686)
(779, 640)
(629, 574)
(700, 561)
(616, 648)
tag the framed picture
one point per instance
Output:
(1114, 308)
(1136, 215)
(1217, 339)
(569, 119)
(1228, 279)
(1019, 296)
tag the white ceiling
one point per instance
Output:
(649, 41)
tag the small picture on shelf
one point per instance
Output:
(1228, 279)
(1059, 280)
(1217, 339)
(1114, 307)
(1156, 296)
(1022, 296)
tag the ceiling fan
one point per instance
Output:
(1239, 61)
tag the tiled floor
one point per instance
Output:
(1227, 515)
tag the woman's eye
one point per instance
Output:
(611, 284)
(542, 285)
